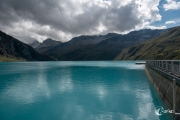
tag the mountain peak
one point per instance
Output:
(47, 44)
(48, 39)
(35, 44)
(12, 48)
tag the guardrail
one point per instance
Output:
(169, 66)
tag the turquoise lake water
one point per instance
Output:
(112, 90)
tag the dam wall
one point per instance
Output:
(161, 74)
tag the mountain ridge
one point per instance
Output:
(13, 48)
(84, 47)
(99, 47)
(165, 46)
(47, 44)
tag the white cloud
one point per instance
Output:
(171, 5)
(155, 27)
(64, 19)
(170, 22)
(28, 31)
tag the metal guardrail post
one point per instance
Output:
(153, 63)
(179, 68)
(158, 64)
(163, 65)
(174, 96)
(172, 67)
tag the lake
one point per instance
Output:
(103, 90)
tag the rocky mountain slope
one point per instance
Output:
(99, 47)
(166, 46)
(35, 44)
(47, 44)
(12, 48)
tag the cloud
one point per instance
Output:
(170, 22)
(156, 27)
(171, 5)
(63, 19)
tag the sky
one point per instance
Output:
(61, 20)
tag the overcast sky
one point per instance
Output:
(29, 20)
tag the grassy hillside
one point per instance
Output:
(165, 46)
(10, 59)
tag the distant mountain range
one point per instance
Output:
(165, 46)
(98, 47)
(13, 49)
(45, 45)
(143, 44)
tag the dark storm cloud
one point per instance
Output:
(63, 19)
(119, 23)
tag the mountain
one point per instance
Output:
(87, 39)
(99, 47)
(12, 48)
(75, 44)
(165, 46)
(47, 44)
(35, 44)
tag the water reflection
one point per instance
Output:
(65, 84)
(69, 90)
(101, 91)
(25, 90)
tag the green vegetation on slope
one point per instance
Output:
(10, 59)
(166, 46)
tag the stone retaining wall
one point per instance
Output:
(163, 85)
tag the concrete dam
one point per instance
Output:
(165, 77)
